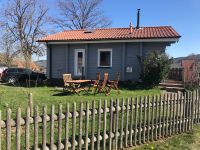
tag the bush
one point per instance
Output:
(155, 68)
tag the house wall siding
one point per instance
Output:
(131, 52)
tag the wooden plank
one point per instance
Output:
(170, 114)
(80, 126)
(180, 113)
(145, 118)
(163, 118)
(104, 124)
(93, 125)
(18, 129)
(27, 129)
(122, 124)
(86, 125)
(148, 119)
(44, 126)
(8, 129)
(174, 114)
(59, 126)
(36, 115)
(0, 130)
(184, 112)
(111, 124)
(157, 112)
(136, 122)
(152, 121)
(192, 109)
(127, 122)
(198, 107)
(116, 124)
(67, 127)
(160, 111)
(131, 124)
(99, 125)
(74, 127)
(177, 113)
(52, 128)
(140, 121)
(167, 116)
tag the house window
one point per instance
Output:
(105, 58)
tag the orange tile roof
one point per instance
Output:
(113, 34)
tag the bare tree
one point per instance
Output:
(81, 14)
(8, 52)
(25, 20)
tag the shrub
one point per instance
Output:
(155, 68)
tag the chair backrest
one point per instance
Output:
(117, 78)
(97, 79)
(67, 77)
(105, 80)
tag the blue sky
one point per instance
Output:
(183, 15)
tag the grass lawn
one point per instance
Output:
(185, 141)
(14, 97)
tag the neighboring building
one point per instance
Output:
(42, 64)
(109, 50)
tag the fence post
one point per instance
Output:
(18, 128)
(30, 103)
(0, 129)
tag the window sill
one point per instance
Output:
(104, 67)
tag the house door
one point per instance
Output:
(79, 62)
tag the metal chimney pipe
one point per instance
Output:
(138, 19)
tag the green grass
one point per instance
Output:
(184, 141)
(14, 97)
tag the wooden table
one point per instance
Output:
(76, 85)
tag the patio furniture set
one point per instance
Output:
(96, 86)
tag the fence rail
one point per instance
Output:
(115, 125)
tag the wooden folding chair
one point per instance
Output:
(101, 87)
(96, 83)
(66, 77)
(113, 85)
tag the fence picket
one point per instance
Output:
(111, 124)
(167, 116)
(8, 129)
(170, 114)
(99, 126)
(136, 115)
(174, 114)
(0, 130)
(104, 124)
(93, 124)
(116, 124)
(86, 125)
(156, 126)
(18, 129)
(144, 120)
(44, 126)
(52, 128)
(131, 124)
(148, 118)
(163, 117)
(80, 126)
(152, 119)
(140, 122)
(36, 114)
(184, 112)
(122, 124)
(198, 105)
(74, 127)
(180, 112)
(59, 127)
(160, 110)
(67, 127)
(127, 122)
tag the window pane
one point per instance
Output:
(105, 58)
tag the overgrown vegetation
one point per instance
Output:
(155, 68)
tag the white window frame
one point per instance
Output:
(104, 50)
(75, 62)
